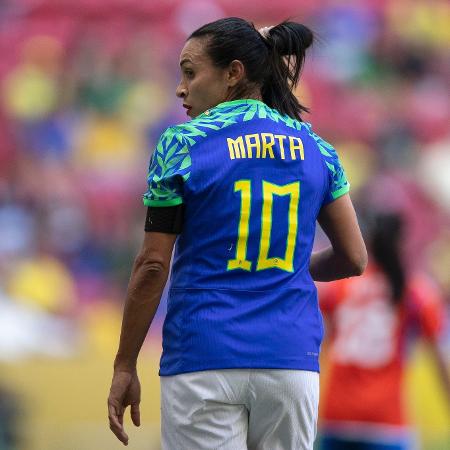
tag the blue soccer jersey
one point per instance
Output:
(252, 182)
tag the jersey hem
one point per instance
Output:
(162, 203)
(312, 366)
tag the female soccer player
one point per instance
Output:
(370, 318)
(237, 190)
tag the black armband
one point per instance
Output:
(166, 219)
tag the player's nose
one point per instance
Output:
(181, 91)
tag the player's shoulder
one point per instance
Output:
(331, 164)
(326, 149)
(208, 123)
(171, 155)
(170, 135)
(192, 132)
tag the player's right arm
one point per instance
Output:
(347, 255)
(169, 166)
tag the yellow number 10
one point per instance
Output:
(264, 262)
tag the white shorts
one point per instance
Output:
(240, 409)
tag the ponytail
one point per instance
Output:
(273, 61)
(287, 43)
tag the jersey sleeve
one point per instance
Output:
(338, 184)
(170, 167)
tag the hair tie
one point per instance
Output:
(264, 31)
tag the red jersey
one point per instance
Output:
(367, 334)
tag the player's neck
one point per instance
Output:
(249, 92)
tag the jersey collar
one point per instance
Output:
(241, 101)
(233, 103)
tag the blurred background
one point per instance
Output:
(87, 86)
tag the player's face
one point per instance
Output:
(202, 84)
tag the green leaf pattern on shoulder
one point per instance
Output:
(339, 184)
(224, 116)
(169, 167)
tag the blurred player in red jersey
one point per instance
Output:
(369, 320)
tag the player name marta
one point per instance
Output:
(264, 145)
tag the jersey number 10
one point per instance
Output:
(269, 190)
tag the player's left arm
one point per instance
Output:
(148, 278)
(347, 255)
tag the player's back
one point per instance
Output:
(252, 182)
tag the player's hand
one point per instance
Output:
(125, 390)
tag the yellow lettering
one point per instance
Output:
(236, 147)
(262, 146)
(296, 146)
(280, 138)
(255, 144)
(267, 146)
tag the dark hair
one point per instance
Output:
(273, 63)
(385, 243)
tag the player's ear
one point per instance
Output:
(235, 73)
